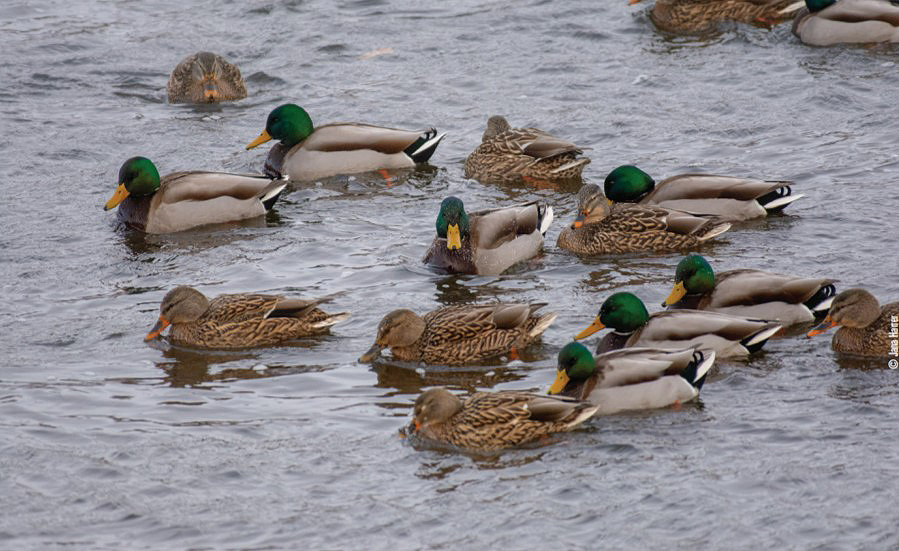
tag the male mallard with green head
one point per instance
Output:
(183, 200)
(307, 153)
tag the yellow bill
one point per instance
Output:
(677, 293)
(157, 329)
(453, 237)
(261, 139)
(560, 382)
(120, 195)
(594, 327)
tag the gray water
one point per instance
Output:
(110, 443)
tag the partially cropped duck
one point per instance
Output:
(602, 229)
(730, 198)
(729, 336)
(205, 77)
(183, 200)
(699, 15)
(513, 155)
(750, 293)
(631, 378)
(828, 22)
(459, 334)
(492, 421)
(866, 327)
(240, 320)
(305, 153)
(487, 242)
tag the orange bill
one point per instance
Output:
(560, 382)
(210, 91)
(677, 293)
(157, 329)
(822, 327)
(594, 327)
(453, 237)
(120, 195)
(261, 139)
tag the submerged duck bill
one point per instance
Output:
(261, 139)
(559, 384)
(157, 329)
(372, 353)
(594, 327)
(822, 327)
(677, 293)
(120, 195)
(453, 237)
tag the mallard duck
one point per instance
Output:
(631, 378)
(729, 336)
(205, 78)
(867, 328)
(491, 421)
(487, 242)
(459, 334)
(827, 22)
(603, 229)
(729, 198)
(749, 293)
(523, 154)
(306, 154)
(699, 15)
(184, 200)
(239, 321)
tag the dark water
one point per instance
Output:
(109, 443)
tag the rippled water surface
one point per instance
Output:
(109, 443)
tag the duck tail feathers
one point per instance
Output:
(270, 195)
(546, 219)
(757, 340)
(776, 200)
(422, 148)
(695, 373)
(542, 324)
(331, 320)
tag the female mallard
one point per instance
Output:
(205, 78)
(184, 200)
(699, 15)
(729, 336)
(750, 293)
(511, 155)
(727, 197)
(459, 334)
(827, 22)
(487, 242)
(491, 421)
(240, 320)
(306, 154)
(867, 328)
(602, 229)
(631, 378)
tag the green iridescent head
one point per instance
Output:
(576, 361)
(138, 177)
(452, 222)
(693, 276)
(628, 184)
(818, 5)
(288, 123)
(623, 312)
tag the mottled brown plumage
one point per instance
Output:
(865, 326)
(625, 228)
(205, 77)
(239, 320)
(495, 420)
(699, 15)
(510, 155)
(459, 334)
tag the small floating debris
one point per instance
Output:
(375, 53)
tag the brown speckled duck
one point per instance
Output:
(459, 334)
(866, 327)
(184, 200)
(239, 320)
(487, 242)
(699, 15)
(205, 77)
(492, 421)
(513, 155)
(624, 228)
